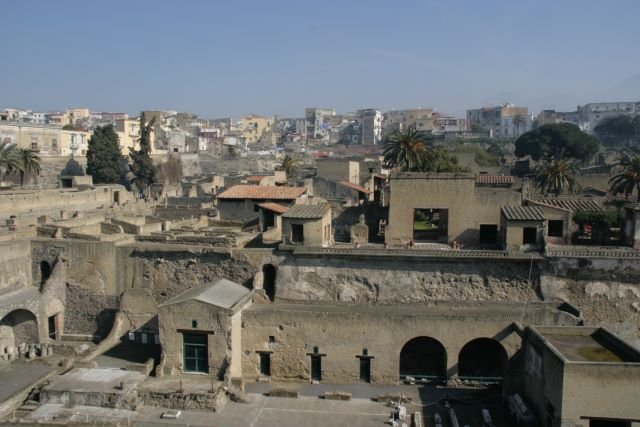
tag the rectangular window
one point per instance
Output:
(555, 228)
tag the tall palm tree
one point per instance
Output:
(557, 177)
(628, 179)
(29, 163)
(406, 150)
(517, 121)
(287, 164)
(9, 159)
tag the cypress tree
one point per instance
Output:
(141, 163)
(103, 156)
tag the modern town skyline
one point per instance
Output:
(220, 59)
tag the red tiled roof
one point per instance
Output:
(620, 198)
(262, 192)
(274, 207)
(494, 179)
(572, 205)
(353, 186)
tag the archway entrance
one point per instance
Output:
(482, 357)
(423, 358)
(19, 326)
(269, 281)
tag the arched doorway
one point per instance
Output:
(423, 357)
(482, 357)
(45, 271)
(19, 326)
(269, 280)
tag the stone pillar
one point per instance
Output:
(360, 232)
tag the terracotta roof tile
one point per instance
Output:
(523, 213)
(494, 179)
(274, 207)
(262, 192)
(572, 205)
(353, 186)
(307, 211)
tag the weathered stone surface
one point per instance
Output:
(89, 312)
(396, 281)
(167, 274)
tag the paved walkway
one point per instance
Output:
(14, 377)
(281, 412)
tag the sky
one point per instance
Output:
(229, 58)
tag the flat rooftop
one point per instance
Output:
(591, 346)
(443, 309)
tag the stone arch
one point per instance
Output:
(19, 326)
(269, 272)
(482, 357)
(423, 357)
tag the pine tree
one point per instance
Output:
(103, 156)
(141, 163)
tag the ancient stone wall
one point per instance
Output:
(393, 280)
(165, 270)
(15, 270)
(340, 332)
(606, 291)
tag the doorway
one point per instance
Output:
(488, 234)
(196, 350)
(365, 370)
(316, 368)
(529, 235)
(265, 364)
(269, 280)
(52, 327)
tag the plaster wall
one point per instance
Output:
(215, 323)
(343, 333)
(468, 206)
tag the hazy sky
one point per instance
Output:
(227, 58)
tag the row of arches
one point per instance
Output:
(426, 357)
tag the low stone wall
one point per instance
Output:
(212, 402)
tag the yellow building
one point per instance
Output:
(45, 139)
(128, 131)
(254, 128)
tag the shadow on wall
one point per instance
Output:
(350, 216)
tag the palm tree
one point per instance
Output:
(29, 163)
(406, 150)
(628, 180)
(517, 121)
(287, 164)
(557, 176)
(9, 159)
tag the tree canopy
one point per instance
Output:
(557, 141)
(287, 164)
(103, 156)
(408, 151)
(141, 164)
(618, 130)
(627, 180)
(557, 176)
